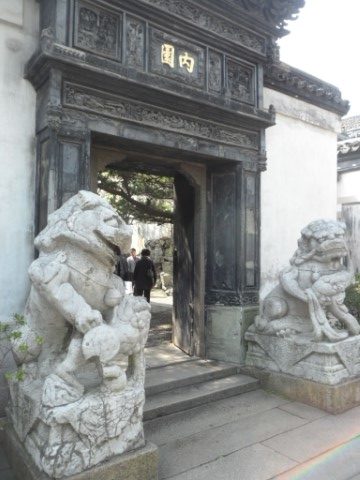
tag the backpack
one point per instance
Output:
(150, 275)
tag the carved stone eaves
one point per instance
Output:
(289, 80)
(88, 99)
(203, 19)
(274, 12)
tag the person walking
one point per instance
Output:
(144, 275)
(121, 266)
(131, 262)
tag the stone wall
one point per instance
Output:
(300, 182)
(18, 40)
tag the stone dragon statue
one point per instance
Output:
(82, 398)
(309, 299)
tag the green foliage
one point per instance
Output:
(138, 196)
(11, 331)
(352, 299)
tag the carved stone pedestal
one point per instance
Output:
(140, 464)
(325, 375)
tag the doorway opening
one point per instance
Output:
(160, 206)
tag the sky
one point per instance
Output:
(324, 41)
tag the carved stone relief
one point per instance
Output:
(173, 65)
(97, 30)
(203, 19)
(215, 72)
(119, 108)
(240, 80)
(135, 42)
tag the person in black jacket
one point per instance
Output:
(144, 275)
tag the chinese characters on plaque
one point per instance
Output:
(168, 57)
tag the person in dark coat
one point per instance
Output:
(144, 275)
(121, 267)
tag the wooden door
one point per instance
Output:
(183, 313)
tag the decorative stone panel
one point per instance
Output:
(240, 81)
(88, 99)
(215, 72)
(97, 30)
(135, 42)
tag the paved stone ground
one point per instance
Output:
(161, 318)
(254, 436)
(5, 470)
(257, 436)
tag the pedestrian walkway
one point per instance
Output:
(255, 436)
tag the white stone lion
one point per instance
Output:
(88, 329)
(310, 296)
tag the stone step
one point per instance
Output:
(184, 374)
(187, 397)
(157, 338)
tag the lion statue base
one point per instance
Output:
(82, 397)
(304, 328)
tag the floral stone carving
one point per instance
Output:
(82, 398)
(304, 328)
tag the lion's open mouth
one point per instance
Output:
(107, 242)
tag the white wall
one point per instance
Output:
(349, 187)
(349, 212)
(18, 40)
(299, 185)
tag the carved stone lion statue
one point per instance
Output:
(83, 394)
(309, 299)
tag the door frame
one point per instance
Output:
(102, 155)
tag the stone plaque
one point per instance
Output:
(240, 81)
(135, 42)
(177, 59)
(97, 30)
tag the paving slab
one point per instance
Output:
(304, 411)
(179, 425)
(252, 463)
(4, 464)
(342, 463)
(317, 437)
(7, 475)
(208, 445)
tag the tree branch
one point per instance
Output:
(147, 209)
